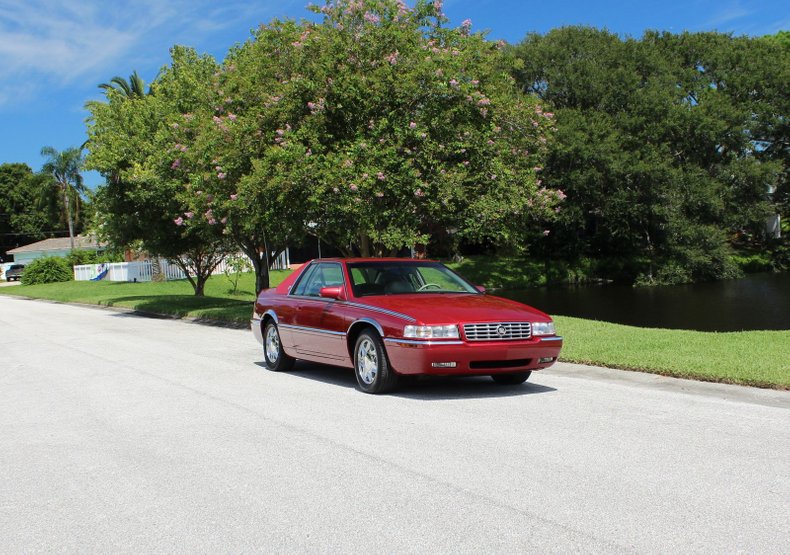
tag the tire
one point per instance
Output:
(273, 354)
(515, 378)
(371, 365)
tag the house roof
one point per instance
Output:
(59, 243)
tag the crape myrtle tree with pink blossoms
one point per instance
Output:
(376, 129)
(393, 128)
(149, 192)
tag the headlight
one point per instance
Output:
(431, 332)
(543, 328)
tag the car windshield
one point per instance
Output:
(408, 277)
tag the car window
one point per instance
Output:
(319, 276)
(406, 277)
(301, 285)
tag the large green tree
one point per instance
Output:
(658, 152)
(147, 197)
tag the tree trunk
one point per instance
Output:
(70, 220)
(260, 264)
(200, 285)
(364, 246)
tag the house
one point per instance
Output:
(58, 246)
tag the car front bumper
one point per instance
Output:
(471, 358)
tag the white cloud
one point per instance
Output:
(727, 14)
(56, 43)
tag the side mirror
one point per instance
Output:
(480, 288)
(335, 292)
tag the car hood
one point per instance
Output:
(449, 308)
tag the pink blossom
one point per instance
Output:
(380, 176)
(280, 132)
(419, 193)
(466, 24)
(335, 189)
(475, 82)
(179, 221)
(484, 102)
(548, 115)
(212, 221)
(188, 116)
(189, 215)
(174, 125)
(493, 177)
(491, 143)
(209, 213)
(353, 187)
(311, 106)
(484, 112)
(309, 152)
(216, 119)
(198, 193)
(393, 58)
(561, 194)
(234, 197)
(536, 168)
(412, 125)
(224, 220)
(379, 194)
(546, 232)
(371, 18)
(176, 164)
(454, 83)
(231, 117)
(347, 163)
(465, 162)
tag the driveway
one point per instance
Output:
(125, 434)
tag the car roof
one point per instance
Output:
(368, 260)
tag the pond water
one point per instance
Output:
(756, 302)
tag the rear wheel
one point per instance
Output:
(273, 355)
(371, 365)
(514, 378)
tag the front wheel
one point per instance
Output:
(511, 379)
(273, 355)
(371, 365)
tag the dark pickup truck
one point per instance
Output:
(14, 272)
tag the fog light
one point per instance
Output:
(443, 364)
(543, 360)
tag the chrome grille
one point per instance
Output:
(498, 331)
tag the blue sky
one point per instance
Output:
(54, 53)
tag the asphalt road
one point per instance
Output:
(125, 434)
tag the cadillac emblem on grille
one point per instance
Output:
(501, 331)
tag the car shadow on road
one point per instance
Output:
(424, 388)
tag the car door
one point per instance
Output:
(318, 328)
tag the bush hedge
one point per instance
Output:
(50, 269)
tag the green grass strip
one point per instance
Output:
(757, 358)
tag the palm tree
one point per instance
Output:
(65, 167)
(133, 88)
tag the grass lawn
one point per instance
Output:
(175, 298)
(760, 358)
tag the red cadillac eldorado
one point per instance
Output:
(393, 317)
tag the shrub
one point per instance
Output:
(50, 269)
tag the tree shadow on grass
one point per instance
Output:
(234, 312)
(424, 388)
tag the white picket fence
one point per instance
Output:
(142, 271)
